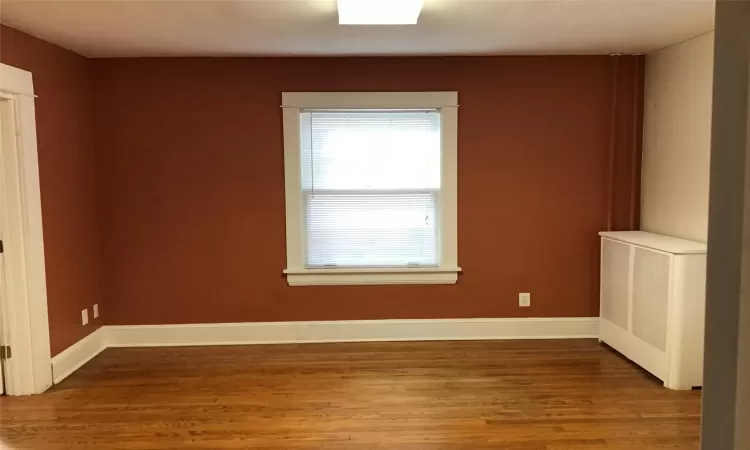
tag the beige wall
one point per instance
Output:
(677, 139)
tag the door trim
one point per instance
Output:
(24, 311)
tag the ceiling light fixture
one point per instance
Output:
(379, 12)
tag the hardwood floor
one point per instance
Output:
(510, 395)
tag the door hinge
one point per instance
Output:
(5, 352)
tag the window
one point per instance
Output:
(370, 188)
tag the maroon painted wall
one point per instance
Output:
(191, 184)
(176, 215)
(64, 113)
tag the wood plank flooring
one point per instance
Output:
(510, 395)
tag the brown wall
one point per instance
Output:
(62, 80)
(192, 184)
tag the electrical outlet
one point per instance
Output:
(85, 317)
(524, 299)
(96, 311)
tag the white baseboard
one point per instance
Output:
(350, 331)
(308, 332)
(78, 354)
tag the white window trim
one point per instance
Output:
(447, 271)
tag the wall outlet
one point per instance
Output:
(524, 299)
(96, 311)
(85, 317)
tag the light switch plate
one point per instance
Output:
(96, 311)
(85, 317)
(524, 299)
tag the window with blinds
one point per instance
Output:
(370, 187)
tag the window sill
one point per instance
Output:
(327, 277)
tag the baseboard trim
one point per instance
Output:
(78, 354)
(350, 331)
(251, 333)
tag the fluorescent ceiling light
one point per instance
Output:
(379, 12)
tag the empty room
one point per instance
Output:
(373, 224)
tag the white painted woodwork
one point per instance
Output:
(653, 302)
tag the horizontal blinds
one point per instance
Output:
(371, 187)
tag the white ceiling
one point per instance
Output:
(104, 28)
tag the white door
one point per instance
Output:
(2, 302)
(2, 271)
(2, 340)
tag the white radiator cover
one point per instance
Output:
(653, 303)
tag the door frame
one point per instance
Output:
(24, 309)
